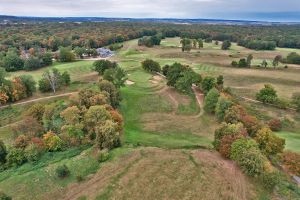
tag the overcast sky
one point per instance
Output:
(271, 10)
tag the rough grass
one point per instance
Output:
(151, 173)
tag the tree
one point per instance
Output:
(115, 75)
(194, 43)
(32, 63)
(52, 141)
(207, 84)
(267, 95)
(79, 51)
(174, 73)
(90, 97)
(151, 66)
(12, 62)
(264, 63)
(53, 77)
(242, 62)
(228, 130)
(3, 75)
(222, 106)
(114, 93)
(3, 152)
(249, 60)
(296, 101)
(211, 100)
(107, 136)
(101, 65)
(187, 79)
(276, 60)
(220, 81)
(18, 90)
(15, 157)
(200, 43)
(95, 117)
(29, 84)
(36, 111)
(186, 45)
(65, 78)
(66, 55)
(268, 142)
(47, 59)
(226, 45)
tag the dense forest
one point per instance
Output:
(98, 34)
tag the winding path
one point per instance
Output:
(39, 99)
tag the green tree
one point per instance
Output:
(222, 106)
(296, 100)
(114, 93)
(115, 75)
(32, 63)
(220, 81)
(12, 62)
(151, 66)
(174, 73)
(200, 43)
(207, 84)
(3, 75)
(226, 45)
(187, 79)
(211, 100)
(267, 95)
(66, 55)
(29, 83)
(47, 59)
(3, 152)
(101, 65)
(186, 44)
(264, 63)
(242, 63)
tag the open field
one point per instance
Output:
(292, 140)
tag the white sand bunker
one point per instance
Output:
(129, 82)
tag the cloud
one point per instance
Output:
(153, 8)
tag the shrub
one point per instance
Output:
(114, 93)
(52, 141)
(103, 156)
(226, 45)
(251, 161)
(4, 196)
(66, 55)
(32, 63)
(151, 66)
(241, 145)
(234, 63)
(251, 123)
(226, 142)
(233, 114)
(3, 152)
(36, 111)
(268, 142)
(267, 94)
(222, 106)
(15, 157)
(296, 100)
(21, 141)
(270, 179)
(275, 124)
(33, 152)
(291, 161)
(101, 65)
(228, 130)
(211, 100)
(62, 171)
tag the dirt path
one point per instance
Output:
(39, 99)
(200, 99)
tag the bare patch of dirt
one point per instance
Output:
(129, 82)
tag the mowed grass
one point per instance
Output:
(292, 140)
(76, 70)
